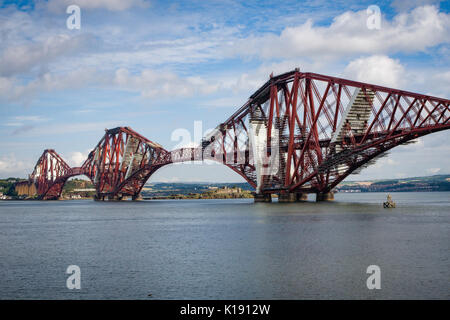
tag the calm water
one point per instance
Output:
(227, 249)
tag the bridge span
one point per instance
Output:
(299, 133)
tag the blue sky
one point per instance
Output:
(158, 66)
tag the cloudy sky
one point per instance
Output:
(159, 66)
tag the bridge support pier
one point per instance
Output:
(137, 197)
(263, 197)
(324, 196)
(115, 198)
(292, 197)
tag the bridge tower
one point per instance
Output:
(304, 133)
(122, 162)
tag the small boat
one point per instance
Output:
(389, 203)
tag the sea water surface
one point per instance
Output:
(227, 249)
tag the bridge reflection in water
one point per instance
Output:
(299, 133)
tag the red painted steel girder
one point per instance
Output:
(300, 132)
(49, 175)
(122, 162)
(325, 129)
(119, 165)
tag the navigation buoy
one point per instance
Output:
(389, 203)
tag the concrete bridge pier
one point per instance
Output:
(263, 197)
(137, 197)
(98, 197)
(324, 196)
(117, 197)
(292, 197)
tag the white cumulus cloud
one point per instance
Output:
(377, 69)
(77, 158)
(413, 31)
(153, 83)
(10, 166)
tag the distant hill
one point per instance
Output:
(414, 184)
(428, 183)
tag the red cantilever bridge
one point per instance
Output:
(299, 133)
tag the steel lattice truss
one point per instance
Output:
(300, 132)
(325, 129)
(50, 174)
(122, 162)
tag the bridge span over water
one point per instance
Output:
(299, 133)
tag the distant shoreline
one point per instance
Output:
(217, 198)
(80, 189)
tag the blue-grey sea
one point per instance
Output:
(227, 249)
